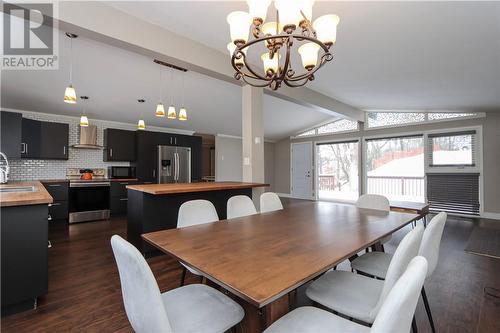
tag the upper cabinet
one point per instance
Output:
(10, 134)
(119, 145)
(44, 140)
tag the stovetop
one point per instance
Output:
(74, 175)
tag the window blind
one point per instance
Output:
(454, 192)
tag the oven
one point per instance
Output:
(121, 172)
(88, 200)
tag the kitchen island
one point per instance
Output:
(24, 237)
(155, 207)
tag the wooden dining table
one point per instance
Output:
(260, 258)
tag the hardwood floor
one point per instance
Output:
(85, 295)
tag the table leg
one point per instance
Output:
(276, 310)
(257, 320)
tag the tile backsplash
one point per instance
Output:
(25, 169)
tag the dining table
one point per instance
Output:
(259, 259)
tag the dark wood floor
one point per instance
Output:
(84, 287)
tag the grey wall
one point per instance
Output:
(491, 153)
(269, 165)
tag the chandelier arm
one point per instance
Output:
(251, 70)
(267, 84)
(288, 83)
(324, 59)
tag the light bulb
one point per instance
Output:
(84, 121)
(231, 48)
(326, 28)
(141, 125)
(309, 55)
(289, 13)
(183, 114)
(270, 65)
(171, 114)
(269, 28)
(239, 24)
(70, 95)
(258, 10)
(160, 111)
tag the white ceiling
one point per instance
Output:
(114, 79)
(389, 55)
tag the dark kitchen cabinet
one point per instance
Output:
(146, 152)
(31, 138)
(119, 145)
(196, 155)
(10, 131)
(44, 140)
(119, 197)
(58, 210)
(24, 239)
(54, 141)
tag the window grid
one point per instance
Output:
(383, 119)
(337, 126)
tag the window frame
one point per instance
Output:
(316, 134)
(426, 116)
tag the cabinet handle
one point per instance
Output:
(55, 204)
(170, 140)
(175, 140)
(49, 218)
(54, 185)
(23, 148)
(124, 183)
(110, 152)
(64, 150)
(49, 244)
(123, 199)
(154, 173)
(26, 148)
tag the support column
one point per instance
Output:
(253, 138)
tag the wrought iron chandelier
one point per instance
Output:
(292, 26)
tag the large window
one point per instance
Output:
(452, 149)
(395, 167)
(337, 171)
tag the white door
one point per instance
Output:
(302, 168)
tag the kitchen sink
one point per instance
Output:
(17, 189)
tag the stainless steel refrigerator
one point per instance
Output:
(174, 164)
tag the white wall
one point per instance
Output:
(228, 159)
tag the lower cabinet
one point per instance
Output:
(58, 210)
(24, 271)
(118, 197)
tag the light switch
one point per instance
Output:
(246, 161)
(257, 140)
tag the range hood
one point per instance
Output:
(87, 138)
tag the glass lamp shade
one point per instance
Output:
(289, 13)
(269, 28)
(258, 9)
(183, 114)
(160, 110)
(231, 48)
(70, 95)
(84, 121)
(309, 55)
(326, 28)
(239, 26)
(270, 65)
(307, 8)
(141, 125)
(171, 114)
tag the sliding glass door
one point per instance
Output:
(337, 176)
(395, 167)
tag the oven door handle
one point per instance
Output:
(93, 184)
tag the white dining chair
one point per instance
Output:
(191, 213)
(377, 263)
(192, 308)
(376, 202)
(239, 206)
(270, 202)
(359, 296)
(395, 315)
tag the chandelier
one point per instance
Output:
(277, 38)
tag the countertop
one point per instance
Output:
(37, 197)
(157, 189)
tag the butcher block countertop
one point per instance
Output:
(37, 197)
(157, 189)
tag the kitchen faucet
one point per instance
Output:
(4, 169)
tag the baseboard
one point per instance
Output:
(493, 216)
(284, 195)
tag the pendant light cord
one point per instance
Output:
(183, 105)
(171, 87)
(71, 61)
(161, 90)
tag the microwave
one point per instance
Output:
(121, 172)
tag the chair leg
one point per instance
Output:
(428, 310)
(183, 277)
(414, 325)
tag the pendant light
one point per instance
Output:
(70, 93)
(84, 121)
(171, 114)
(141, 125)
(183, 112)
(160, 110)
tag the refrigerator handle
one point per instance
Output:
(176, 169)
